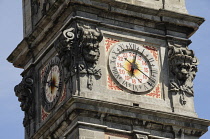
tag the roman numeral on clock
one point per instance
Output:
(154, 71)
(151, 60)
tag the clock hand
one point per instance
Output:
(55, 86)
(133, 65)
(137, 79)
(51, 76)
(132, 75)
(49, 83)
(146, 75)
(128, 60)
(134, 61)
(126, 70)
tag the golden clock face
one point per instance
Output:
(133, 67)
(52, 84)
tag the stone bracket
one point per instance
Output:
(78, 49)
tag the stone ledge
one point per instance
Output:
(100, 113)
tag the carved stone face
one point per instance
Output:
(23, 96)
(91, 55)
(182, 71)
(24, 99)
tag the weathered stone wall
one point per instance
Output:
(34, 10)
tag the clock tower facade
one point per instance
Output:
(110, 69)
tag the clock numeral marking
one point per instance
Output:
(151, 60)
(151, 82)
(127, 77)
(120, 58)
(135, 88)
(145, 87)
(125, 83)
(115, 52)
(140, 80)
(144, 63)
(121, 46)
(112, 61)
(154, 71)
(51, 98)
(134, 81)
(152, 65)
(153, 79)
(48, 95)
(132, 46)
(153, 75)
(115, 73)
(114, 58)
(121, 71)
(143, 51)
(119, 65)
(114, 70)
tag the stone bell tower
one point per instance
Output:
(108, 69)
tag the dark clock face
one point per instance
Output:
(133, 67)
(52, 84)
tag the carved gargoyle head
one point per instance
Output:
(90, 38)
(91, 55)
(24, 93)
(183, 68)
(180, 67)
(183, 63)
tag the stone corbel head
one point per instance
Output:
(24, 93)
(89, 38)
(183, 68)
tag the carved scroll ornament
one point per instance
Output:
(183, 68)
(78, 49)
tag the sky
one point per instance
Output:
(11, 34)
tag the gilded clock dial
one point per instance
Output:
(133, 67)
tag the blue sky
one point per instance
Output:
(11, 34)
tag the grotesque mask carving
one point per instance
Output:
(183, 67)
(24, 92)
(78, 49)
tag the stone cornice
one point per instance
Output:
(49, 24)
(155, 113)
(125, 112)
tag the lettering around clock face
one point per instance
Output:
(133, 67)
